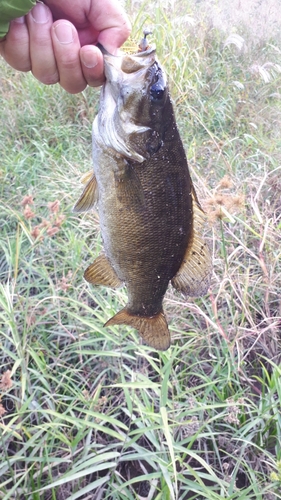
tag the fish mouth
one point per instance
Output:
(127, 63)
(148, 50)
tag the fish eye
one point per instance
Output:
(157, 92)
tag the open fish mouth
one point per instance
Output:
(131, 61)
(127, 62)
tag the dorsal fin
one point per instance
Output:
(194, 275)
(90, 194)
(154, 330)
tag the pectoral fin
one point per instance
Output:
(86, 177)
(101, 272)
(128, 187)
(194, 276)
(154, 330)
(89, 196)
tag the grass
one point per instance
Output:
(88, 412)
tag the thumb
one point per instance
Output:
(111, 22)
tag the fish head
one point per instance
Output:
(132, 104)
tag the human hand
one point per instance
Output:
(54, 41)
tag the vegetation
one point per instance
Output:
(88, 412)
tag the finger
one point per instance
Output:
(92, 65)
(112, 38)
(66, 47)
(15, 48)
(110, 19)
(43, 63)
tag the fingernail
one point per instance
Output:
(40, 13)
(64, 32)
(89, 59)
(19, 20)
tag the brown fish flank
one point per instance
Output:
(147, 206)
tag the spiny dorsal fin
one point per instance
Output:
(89, 196)
(101, 272)
(194, 276)
(154, 330)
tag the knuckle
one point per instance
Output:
(24, 68)
(73, 87)
(95, 82)
(49, 79)
(69, 63)
(20, 64)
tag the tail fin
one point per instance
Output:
(154, 330)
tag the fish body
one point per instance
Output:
(148, 210)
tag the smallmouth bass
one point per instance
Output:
(150, 217)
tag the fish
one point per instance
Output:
(150, 217)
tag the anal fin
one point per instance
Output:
(154, 330)
(101, 272)
(194, 275)
(89, 196)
